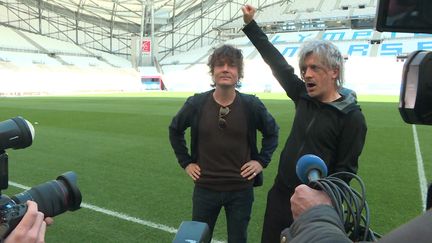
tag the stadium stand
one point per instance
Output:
(37, 65)
(353, 4)
(20, 80)
(362, 12)
(112, 60)
(347, 23)
(22, 57)
(327, 6)
(27, 48)
(191, 57)
(11, 39)
(364, 49)
(275, 13)
(305, 6)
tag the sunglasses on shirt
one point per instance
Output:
(223, 112)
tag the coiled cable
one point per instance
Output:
(350, 204)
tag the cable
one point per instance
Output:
(350, 205)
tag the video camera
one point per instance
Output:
(416, 87)
(53, 197)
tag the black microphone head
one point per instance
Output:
(309, 163)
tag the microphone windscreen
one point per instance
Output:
(308, 163)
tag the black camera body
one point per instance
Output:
(53, 197)
(10, 214)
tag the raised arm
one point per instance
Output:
(282, 71)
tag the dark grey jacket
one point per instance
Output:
(320, 224)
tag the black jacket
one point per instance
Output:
(334, 131)
(258, 118)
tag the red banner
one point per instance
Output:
(146, 46)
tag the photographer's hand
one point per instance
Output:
(193, 170)
(305, 198)
(31, 228)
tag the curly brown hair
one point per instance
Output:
(227, 54)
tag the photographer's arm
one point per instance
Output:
(315, 220)
(31, 228)
(319, 224)
(305, 198)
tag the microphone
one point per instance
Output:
(350, 205)
(310, 168)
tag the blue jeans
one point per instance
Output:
(238, 207)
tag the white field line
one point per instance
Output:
(420, 169)
(120, 215)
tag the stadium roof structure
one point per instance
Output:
(123, 14)
(174, 26)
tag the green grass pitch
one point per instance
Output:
(118, 146)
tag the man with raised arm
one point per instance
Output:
(328, 121)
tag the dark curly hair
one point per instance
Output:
(228, 54)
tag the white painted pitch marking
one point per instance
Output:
(119, 215)
(420, 169)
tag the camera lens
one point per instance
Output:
(16, 133)
(54, 197)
